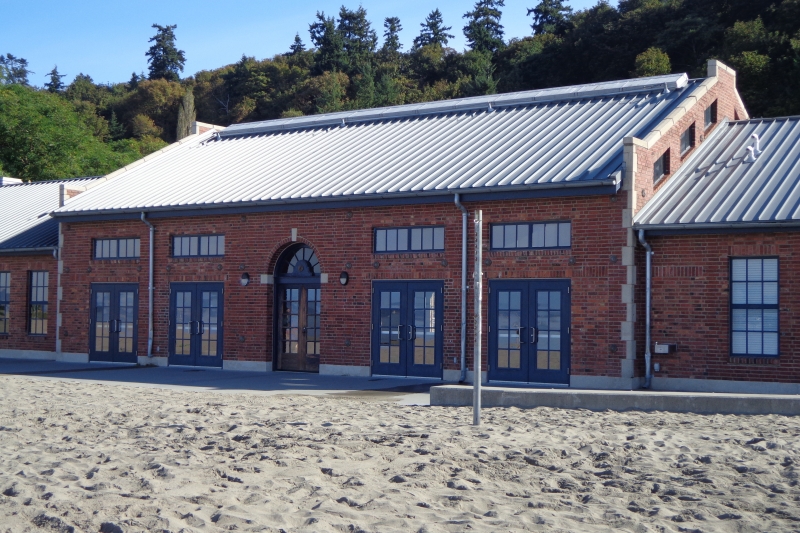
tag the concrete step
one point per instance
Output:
(639, 400)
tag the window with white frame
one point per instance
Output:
(754, 307)
(198, 245)
(117, 248)
(413, 239)
(531, 235)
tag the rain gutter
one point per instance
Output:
(150, 289)
(464, 214)
(648, 377)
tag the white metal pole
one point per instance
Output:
(476, 389)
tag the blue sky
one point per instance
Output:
(108, 39)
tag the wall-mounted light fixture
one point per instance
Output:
(245, 279)
(344, 277)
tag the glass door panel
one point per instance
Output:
(389, 343)
(125, 324)
(183, 323)
(102, 322)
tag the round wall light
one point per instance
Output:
(245, 279)
(344, 277)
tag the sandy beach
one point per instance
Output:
(82, 456)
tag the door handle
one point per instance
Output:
(412, 333)
(304, 330)
(534, 335)
(114, 325)
(196, 327)
(400, 332)
(521, 336)
(201, 327)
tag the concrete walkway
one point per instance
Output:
(639, 400)
(405, 391)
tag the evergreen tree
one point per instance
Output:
(186, 115)
(297, 46)
(483, 30)
(116, 131)
(391, 37)
(164, 57)
(550, 16)
(14, 70)
(328, 42)
(134, 81)
(55, 85)
(359, 40)
(433, 31)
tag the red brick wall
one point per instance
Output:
(691, 295)
(18, 337)
(723, 92)
(343, 237)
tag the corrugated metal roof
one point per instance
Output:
(717, 187)
(524, 143)
(24, 212)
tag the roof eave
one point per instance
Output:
(707, 229)
(44, 250)
(610, 185)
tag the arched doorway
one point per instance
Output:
(297, 295)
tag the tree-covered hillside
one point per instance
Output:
(350, 63)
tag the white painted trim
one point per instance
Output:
(345, 370)
(143, 360)
(724, 385)
(247, 366)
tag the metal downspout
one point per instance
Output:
(150, 290)
(464, 215)
(648, 376)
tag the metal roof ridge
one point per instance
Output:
(487, 103)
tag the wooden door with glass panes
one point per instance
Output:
(407, 328)
(299, 310)
(529, 331)
(113, 322)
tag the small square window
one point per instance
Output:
(687, 139)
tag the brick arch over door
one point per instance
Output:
(277, 252)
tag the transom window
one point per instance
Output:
(198, 245)
(531, 235)
(710, 114)
(5, 301)
(117, 248)
(413, 239)
(37, 318)
(687, 139)
(661, 167)
(754, 307)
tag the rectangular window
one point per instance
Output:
(661, 167)
(198, 246)
(754, 307)
(413, 239)
(116, 248)
(37, 317)
(711, 114)
(687, 139)
(525, 236)
(5, 301)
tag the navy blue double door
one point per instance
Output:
(114, 322)
(529, 331)
(407, 328)
(195, 326)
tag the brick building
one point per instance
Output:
(29, 266)
(723, 233)
(338, 243)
